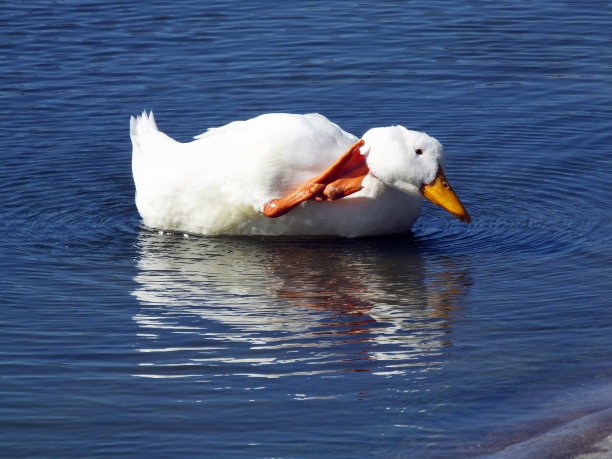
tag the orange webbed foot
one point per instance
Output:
(341, 179)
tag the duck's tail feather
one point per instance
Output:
(142, 127)
(147, 140)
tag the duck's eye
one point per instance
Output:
(418, 151)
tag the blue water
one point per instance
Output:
(452, 340)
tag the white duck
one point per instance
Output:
(234, 180)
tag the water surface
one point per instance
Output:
(452, 340)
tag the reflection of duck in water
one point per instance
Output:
(276, 296)
(226, 180)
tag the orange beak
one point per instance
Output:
(441, 194)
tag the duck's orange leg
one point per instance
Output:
(341, 179)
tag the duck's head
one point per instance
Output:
(412, 162)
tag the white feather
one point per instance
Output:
(219, 183)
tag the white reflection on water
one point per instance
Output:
(286, 307)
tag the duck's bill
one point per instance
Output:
(441, 194)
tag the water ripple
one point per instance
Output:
(91, 206)
(541, 207)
